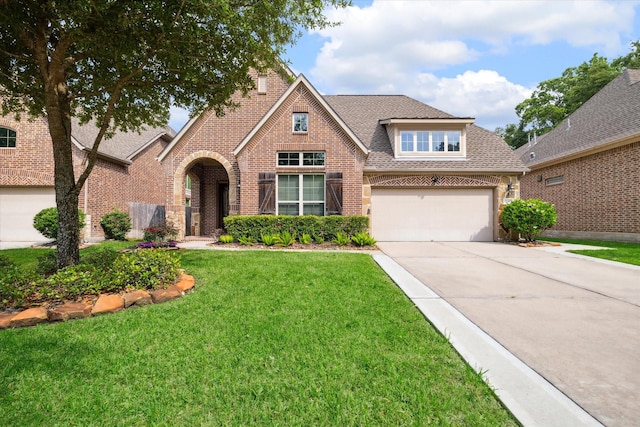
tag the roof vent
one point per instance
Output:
(568, 124)
(532, 155)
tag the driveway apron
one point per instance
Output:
(573, 320)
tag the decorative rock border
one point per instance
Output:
(106, 303)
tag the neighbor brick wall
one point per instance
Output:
(600, 193)
(30, 163)
(112, 185)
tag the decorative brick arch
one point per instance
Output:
(181, 170)
(175, 213)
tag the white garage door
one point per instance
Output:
(18, 206)
(419, 214)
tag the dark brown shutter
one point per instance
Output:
(267, 193)
(334, 193)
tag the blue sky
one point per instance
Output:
(469, 58)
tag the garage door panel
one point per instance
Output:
(420, 214)
(18, 206)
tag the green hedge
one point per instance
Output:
(327, 227)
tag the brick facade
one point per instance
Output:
(110, 184)
(600, 193)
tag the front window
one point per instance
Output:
(7, 138)
(310, 158)
(300, 122)
(301, 195)
(434, 141)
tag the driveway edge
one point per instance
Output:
(530, 398)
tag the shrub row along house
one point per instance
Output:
(589, 165)
(417, 172)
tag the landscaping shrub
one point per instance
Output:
(528, 217)
(47, 263)
(341, 239)
(269, 239)
(323, 227)
(363, 239)
(116, 225)
(147, 269)
(226, 238)
(102, 271)
(286, 239)
(305, 239)
(46, 222)
(160, 233)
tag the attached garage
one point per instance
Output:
(432, 214)
(18, 206)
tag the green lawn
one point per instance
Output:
(267, 338)
(628, 253)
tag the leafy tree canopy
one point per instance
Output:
(120, 63)
(555, 99)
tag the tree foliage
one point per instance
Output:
(120, 64)
(555, 99)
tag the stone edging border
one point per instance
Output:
(106, 303)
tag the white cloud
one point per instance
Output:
(401, 46)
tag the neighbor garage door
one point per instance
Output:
(18, 206)
(419, 214)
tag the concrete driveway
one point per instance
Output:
(573, 320)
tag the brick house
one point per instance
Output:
(126, 175)
(417, 172)
(589, 165)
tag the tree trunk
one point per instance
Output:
(68, 241)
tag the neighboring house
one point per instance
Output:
(126, 176)
(589, 165)
(417, 172)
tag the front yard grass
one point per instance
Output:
(266, 338)
(628, 253)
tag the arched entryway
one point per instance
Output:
(200, 209)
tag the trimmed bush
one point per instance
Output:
(324, 228)
(160, 233)
(46, 222)
(528, 217)
(145, 269)
(116, 225)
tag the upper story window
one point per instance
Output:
(7, 138)
(435, 141)
(428, 137)
(300, 122)
(294, 158)
(262, 84)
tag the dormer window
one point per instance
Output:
(421, 139)
(430, 141)
(300, 122)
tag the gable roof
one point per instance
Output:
(365, 114)
(301, 80)
(610, 118)
(123, 146)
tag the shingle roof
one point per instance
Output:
(486, 151)
(122, 146)
(611, 115)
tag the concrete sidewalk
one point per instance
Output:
(537, 321)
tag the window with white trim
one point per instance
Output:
(301, 194)
(432, 141)
(300, 122)
(7, 138)
(262, 84)
(304, 158)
